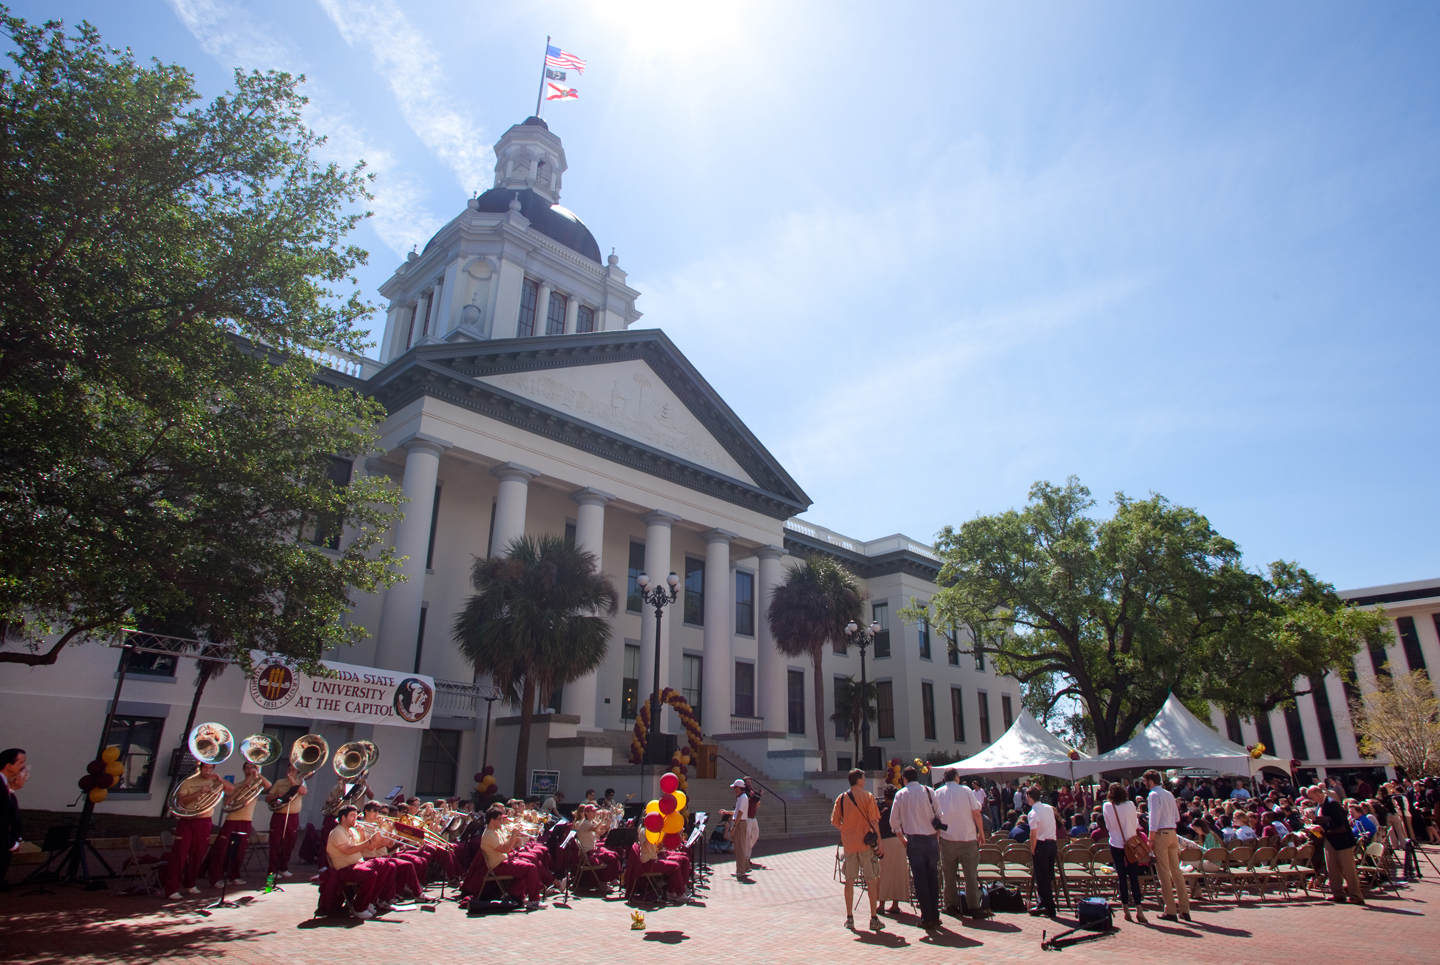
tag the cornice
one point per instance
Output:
(866, 567)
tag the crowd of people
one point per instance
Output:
(927, 838)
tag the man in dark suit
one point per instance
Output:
(12, 771)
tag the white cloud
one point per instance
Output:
(226, 31)
(405, 58)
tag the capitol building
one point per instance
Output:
(523, 396)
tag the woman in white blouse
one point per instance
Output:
(1123, 823)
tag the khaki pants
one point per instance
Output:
(741, 839)
(1340, 864)
(1166, 845)
(966, 854)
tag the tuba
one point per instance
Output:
(351, 760)
(209, 744)
(257, 749)
(306, 756)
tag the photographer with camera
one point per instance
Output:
(960, 844)
(857, 817)
(915, 815)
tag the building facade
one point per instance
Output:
(1318, 730)
(521, 401)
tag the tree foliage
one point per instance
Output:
(1114, 614)
(855, 705)
(1400, 718)
(533, 624)
(809, 610)
(164, 267)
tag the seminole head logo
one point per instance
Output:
(273, 684)
(413, 698)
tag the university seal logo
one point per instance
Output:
(273, 685)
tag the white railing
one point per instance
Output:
(746, 725)
(341, 361)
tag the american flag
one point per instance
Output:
(555, 57)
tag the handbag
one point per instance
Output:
(1137, 849)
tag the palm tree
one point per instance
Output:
(534, 624)
(852, 707)
(810, 608)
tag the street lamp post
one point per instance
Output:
(863, 639)
(659, 597)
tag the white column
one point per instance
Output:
(580, 695)
(392, 331)
(770, 677)
(510, 505)
(658, 568)
(400, 617)
(432, 312)
(572, 312)
(719, 609)
(542, 308)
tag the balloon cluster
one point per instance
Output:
(688, 720)
(665, 816)
(1256, 750)
(680, 766)
(485, 780)
(1073, 755)
(923, 767)
(892, 773)
(102, 774)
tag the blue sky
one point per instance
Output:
(932, 253)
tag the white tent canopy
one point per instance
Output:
(1177, 738)
(1026, 748)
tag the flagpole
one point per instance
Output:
(541, 93)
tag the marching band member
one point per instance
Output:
(285, 821)
(239, 821)
(407, 867)
(500, 856)
(647, 858)
(192, 835)
(589, 825)
(345, 848)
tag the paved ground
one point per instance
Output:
(790, 912)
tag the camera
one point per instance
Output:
(939, 825)
(872, 840)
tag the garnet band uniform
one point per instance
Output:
(372, 880)
(284, 825)
(239, 821)
(192, 837)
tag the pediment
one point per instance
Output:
(629, 399)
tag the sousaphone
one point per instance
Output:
(209, 743)
(260, 750)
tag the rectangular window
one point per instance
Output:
(286, 737)
(1263, 732)
(1293, 727)
(695, 592)
(420, 638)
(744, 689)
(885, 710)
(1005, 714)
(927, 709)
(555, 317)
(329, 526)
(745, 603)
(1410, 640)
(1329, 737)
(957, 713)
(983, 704)
(434, 524)
(1233, 731)
(880, 613)
(692, 675)
(139, 741)
(570, 536)
(439, 763)
(1379, 660)
(585, 319)
(630, 685)
(795, 694)
(529, 295)
(842, 729)
(979, 657)
(952, 648)
(410, 328)
(150, 664)
(924, 639)
(490, 540)
(632, 589)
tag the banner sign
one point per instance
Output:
(358, 695)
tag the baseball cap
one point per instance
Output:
(737, 783)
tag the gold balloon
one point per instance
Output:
(110, 754)
(652, 808)
(674, 823)
(680, 800)
(98, 794)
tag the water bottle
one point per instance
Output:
(270, 883)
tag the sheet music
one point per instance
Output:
(568, 838)
(699, 830)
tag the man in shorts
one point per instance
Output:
(856, 815)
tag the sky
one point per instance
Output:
(932, 253)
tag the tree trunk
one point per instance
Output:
(206, 669)
(820, 707)
(522, 744)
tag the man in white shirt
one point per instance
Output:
(739, 829)
(912, 814)
(959, 843)
(1022, 803)
(1043, 850)
(1165, 843)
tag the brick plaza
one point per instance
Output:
(791, 912)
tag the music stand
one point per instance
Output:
(57, 840)
(233, 847)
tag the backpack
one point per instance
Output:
(1002, 898)
(493, 906)
(1094, 914)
